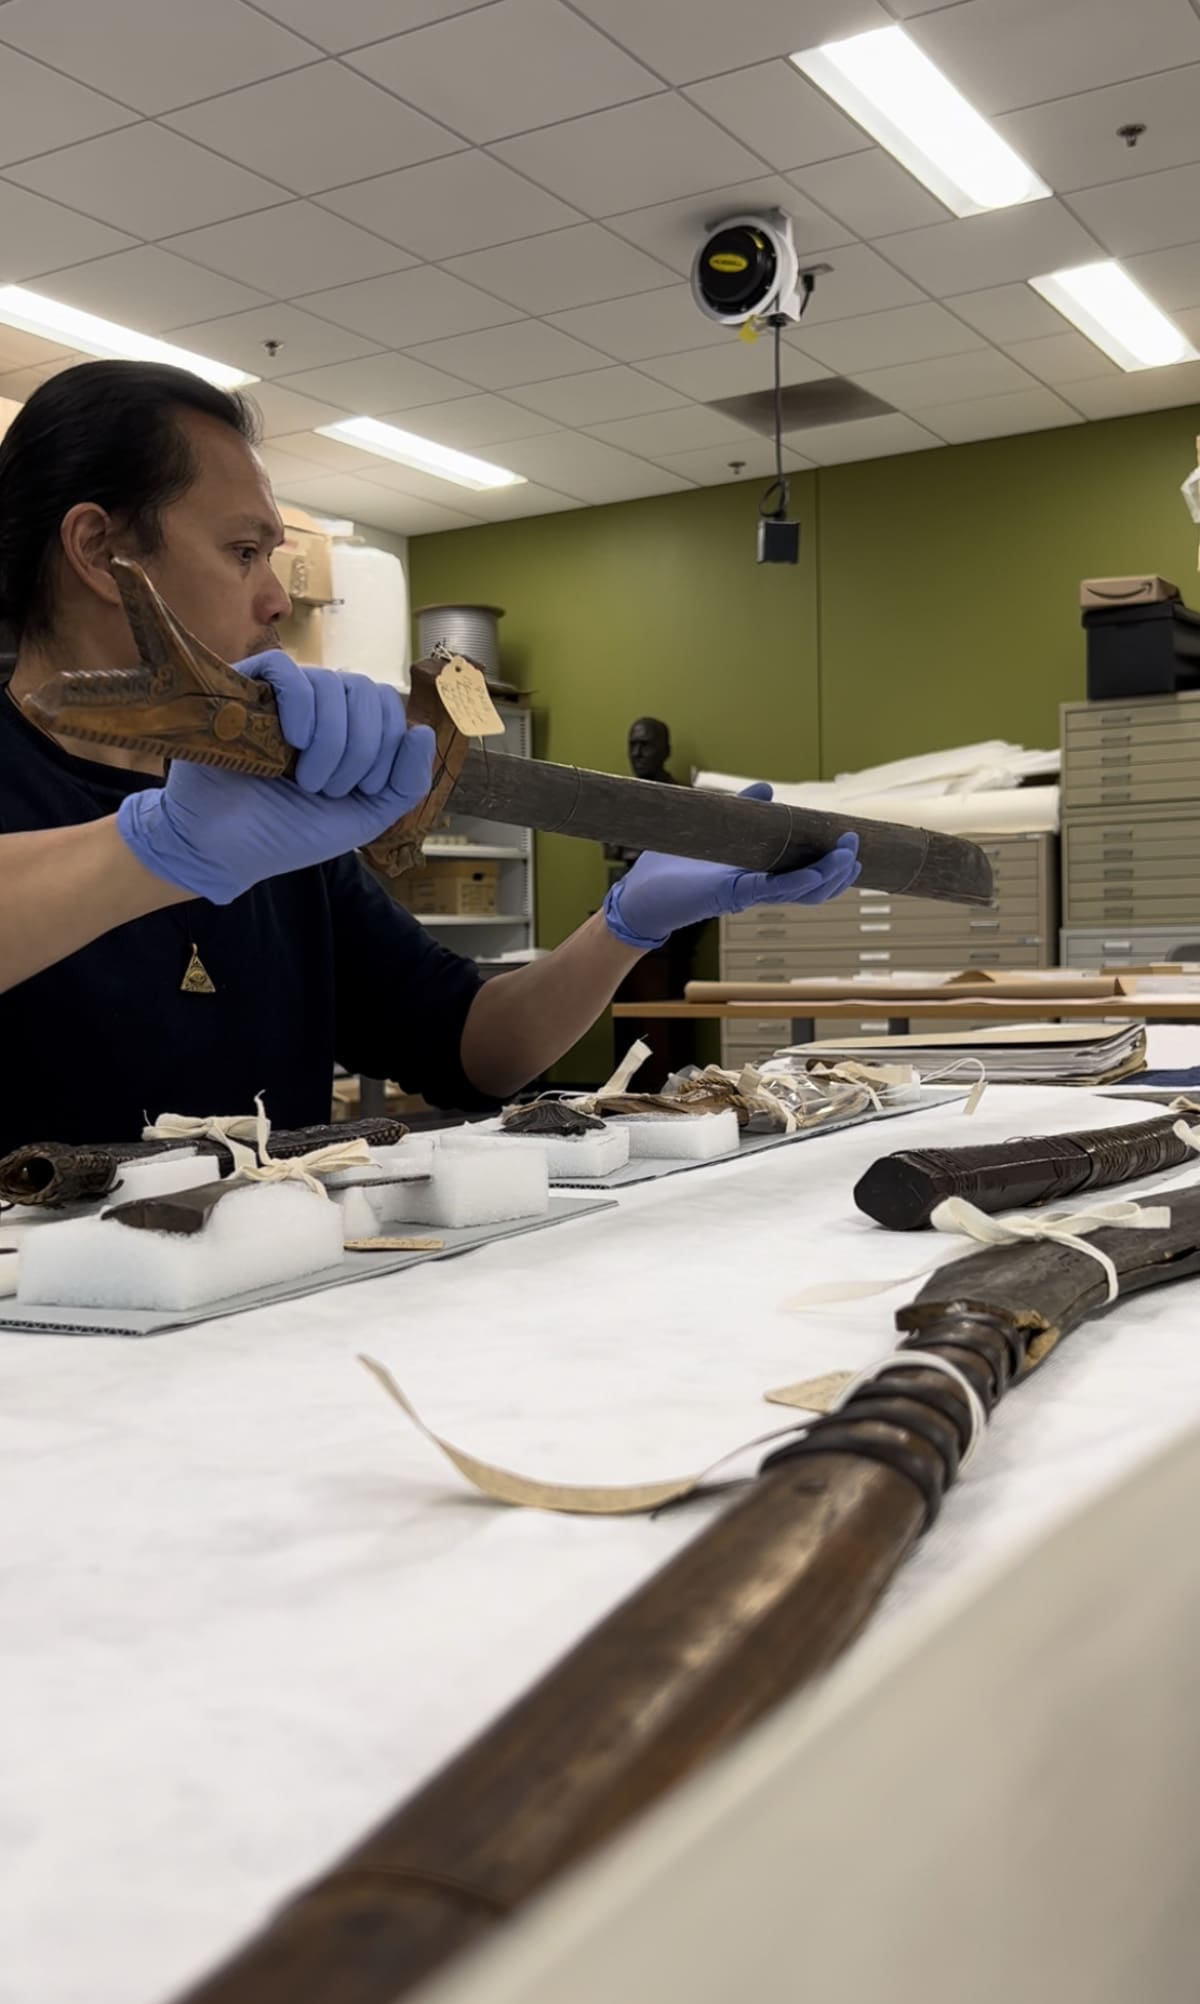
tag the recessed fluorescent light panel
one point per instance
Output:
(896, 94)
(407, 449)
(1114, 312)
(71, 328)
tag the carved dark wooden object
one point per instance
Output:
(549, 1116)
(183, 702)
(755, 1606)
(902, 1191)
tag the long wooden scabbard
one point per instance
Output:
(752, 1609)
(903, 1190)
(183, 702)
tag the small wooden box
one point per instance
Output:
(452, 890)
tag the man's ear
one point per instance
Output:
(88, 545)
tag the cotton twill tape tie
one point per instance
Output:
(257, 1164)
(1064, 1228)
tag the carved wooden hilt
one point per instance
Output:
(183, 701)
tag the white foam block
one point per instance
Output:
(256, 1237)
(175, 1169)
(10, 1261)
(487, 1182)
(700, 1137)
(362, 1211)
(569, 1156)
(411, 1157)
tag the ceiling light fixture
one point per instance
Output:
(33, 313)
(424, 454)
(1113, 311)
(890, 87)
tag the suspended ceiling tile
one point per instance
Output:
(1006, 53)
(149, 289)
(653, 151)
(305, 342)
(442, 208)
(365, 501)
(337, 25)
(376, 383)
(1144, 390)
(1171, 277)
(147, 180)
(1153, 212)
(864, 438)
(674, 231)
(37, 236)
(507, 68)
(1000, 417)
(574, 267)
(412, 306)
(880, 340)
(473, 423)
(44, 110)
(724, 465)
(289, 250)
(19, 350)
(411, 482)
(664, 322)
(598, 396)
(284, 468)
(153, 54)
(991, 249)
(587, 469)
(1007, 313)
(316, 129)
(683, 430)
(707, 36)
(21, 383)
(914, 386)
(870, 193)
(500, 358)
(511, 504)
(283, 410)
(1073, 142)
(733, 370)
(779, 114)
(324, 455)
(1063, 358)
(861, 281)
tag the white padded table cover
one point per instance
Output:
(247, 1608)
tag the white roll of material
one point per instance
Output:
(366, 629)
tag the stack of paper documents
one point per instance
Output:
(1082, 1054)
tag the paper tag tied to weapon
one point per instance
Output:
(465, 697)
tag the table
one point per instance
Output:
(247, 1610)
(802, 1018)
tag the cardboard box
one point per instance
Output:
(448, 889)
(1096, 593)
(303, 563)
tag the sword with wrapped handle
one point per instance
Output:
(902, 1191)
(182, 701)
(756, 1606)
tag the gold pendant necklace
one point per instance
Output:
(197, 980)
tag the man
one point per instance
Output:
(183, 943)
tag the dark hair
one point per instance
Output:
(105, 432)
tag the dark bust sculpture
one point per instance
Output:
(649, 746)
(649, 750)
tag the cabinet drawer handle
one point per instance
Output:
(874, 956)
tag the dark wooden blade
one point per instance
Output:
(183, 1211)
(182, 702)
(715, 827)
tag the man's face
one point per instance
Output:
(647, 750)
(213, 565)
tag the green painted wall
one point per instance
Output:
(935, 603)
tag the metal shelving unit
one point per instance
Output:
(511, 929)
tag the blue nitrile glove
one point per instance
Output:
(663, 893)
(360, 769)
